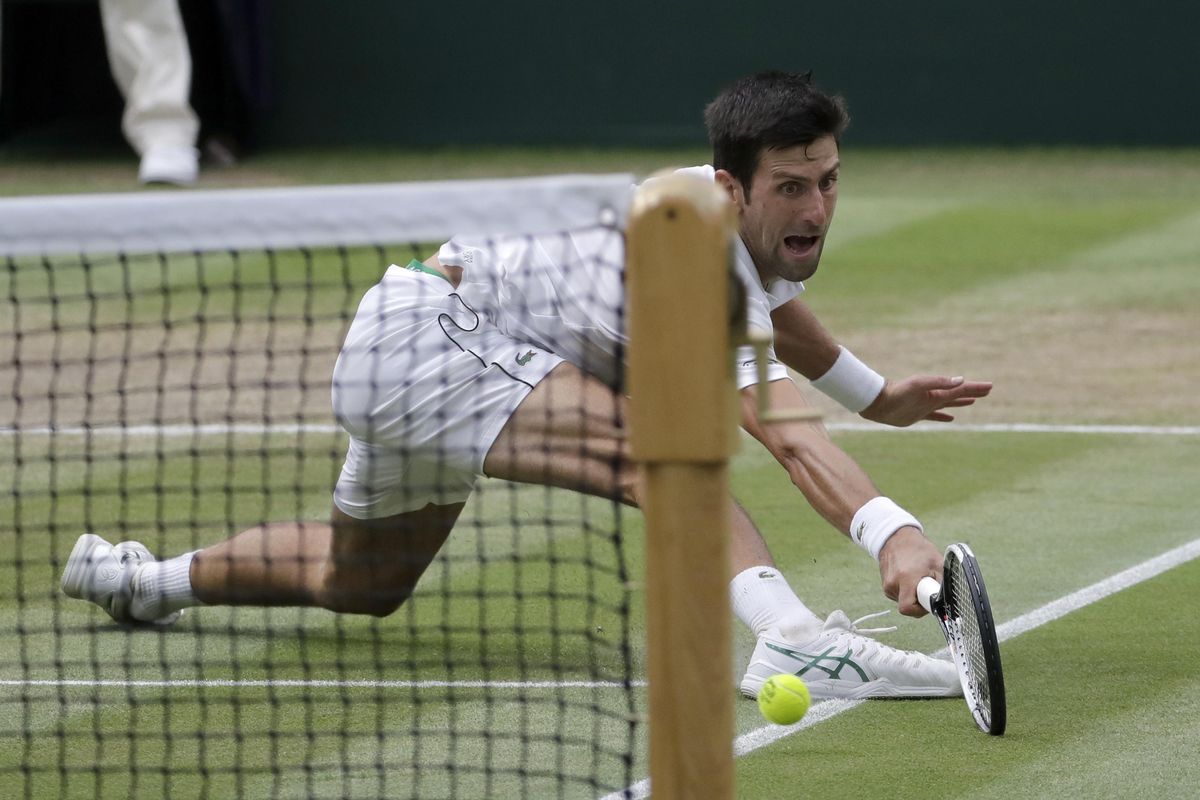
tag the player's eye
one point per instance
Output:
(828, 182)
(790, 188)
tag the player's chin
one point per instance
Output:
(794, 267)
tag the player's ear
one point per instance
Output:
(732, 186)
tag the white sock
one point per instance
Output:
(164, 587)
(762, 599)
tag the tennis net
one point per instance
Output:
(170, 358)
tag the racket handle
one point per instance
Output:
(927, 589)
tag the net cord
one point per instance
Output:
(307, 217)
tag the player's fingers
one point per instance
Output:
(939, 416)
(908, 605)
(944, 399)
(962, 392)
(935, 383)
(972, 389)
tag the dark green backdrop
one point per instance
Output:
(638, 72)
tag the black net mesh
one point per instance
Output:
(182, 399)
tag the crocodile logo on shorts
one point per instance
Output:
(525, 359)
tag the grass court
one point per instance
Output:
(1067, 277)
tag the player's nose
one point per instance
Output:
(813, 212)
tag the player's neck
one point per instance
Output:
(453, 274)
(447, 271)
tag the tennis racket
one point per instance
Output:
(960, 605)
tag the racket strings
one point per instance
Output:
(970, 637)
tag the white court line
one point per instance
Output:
(1021, 427)
(174, 431)
(769, 734)
(258, 429)
(284, 683)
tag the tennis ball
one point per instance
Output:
(784, 699)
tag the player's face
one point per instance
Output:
(784, 217)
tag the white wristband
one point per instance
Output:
(851, 382)
(876, 521)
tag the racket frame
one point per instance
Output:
(993, 719)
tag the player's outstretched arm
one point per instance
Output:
(832, 482)
(841, 492)
(803, 343)
(923, 397)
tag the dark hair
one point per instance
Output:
(768, 111)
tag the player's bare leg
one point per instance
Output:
(570, 432)
(350, 565)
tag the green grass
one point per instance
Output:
(1098, 707)
(925, 259)
(1067, 276)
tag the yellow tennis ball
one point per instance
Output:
(784, 699)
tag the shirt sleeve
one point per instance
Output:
(461, 253)
(758, 317)
(746, 367)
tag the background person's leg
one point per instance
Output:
(150, 61)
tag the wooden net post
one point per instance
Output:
(683, 421)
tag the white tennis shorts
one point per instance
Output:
(423, 385)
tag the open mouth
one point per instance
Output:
(801, 246)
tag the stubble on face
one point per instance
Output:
(784, 218)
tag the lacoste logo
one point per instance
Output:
(859, 531)
(766, 573)
(525, 359)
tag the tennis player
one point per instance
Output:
(504, 359)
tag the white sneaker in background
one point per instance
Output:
(841, 662)
(172, 164)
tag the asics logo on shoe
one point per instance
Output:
(819, 661)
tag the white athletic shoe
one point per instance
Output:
(106, 574)
(843, 663)
(174, 164)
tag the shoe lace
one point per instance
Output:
(861, 638)
(854, 626)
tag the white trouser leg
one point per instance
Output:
(148, 53)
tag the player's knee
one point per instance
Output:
(353, 592)
(611, 467)
(629, 484)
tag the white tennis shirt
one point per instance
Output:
(564, 292)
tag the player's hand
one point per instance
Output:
(906, 557)
(901, 403)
